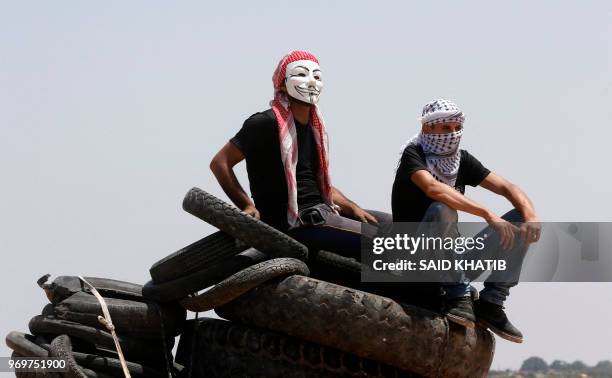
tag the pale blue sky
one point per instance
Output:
(110, 112)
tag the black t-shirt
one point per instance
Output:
(307, 168)
(408, 202)
(258, 142)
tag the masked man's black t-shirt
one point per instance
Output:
(258, 142)
(408, 202)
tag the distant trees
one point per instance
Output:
(559, 365)
(578, 366)
(603, 368)
(533, 364)
(538, 365)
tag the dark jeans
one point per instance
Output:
(497, 285)
(323, 229)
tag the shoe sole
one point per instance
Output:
(461, 321)
(500, 333)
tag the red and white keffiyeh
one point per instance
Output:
(287, 136)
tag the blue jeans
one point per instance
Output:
(497, 285)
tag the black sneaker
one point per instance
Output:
(492, 316)
(460, 310)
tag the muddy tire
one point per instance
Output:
(197, 256)
(332, 267)
(112, 366)
(63, 287)
(131, 318)
(24, 345)
(61, 347)
(339, 262)
(367, 325)
(243, 281)
(105, 363)
(182, 287)
(42, 350)
(229, 219)
(346, 271)
(224, 349)
(16, 355)
(134, 349)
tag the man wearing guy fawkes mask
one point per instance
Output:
(429, 188)
(286, 153)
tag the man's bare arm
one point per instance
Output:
(222, 166)
(530, 231)
(512, 193)
(438, 191)
(350, 208)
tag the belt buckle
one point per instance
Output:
(313, 217)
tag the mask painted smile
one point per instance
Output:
(308, 92)
(303, 81)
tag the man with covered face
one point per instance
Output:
(429, 188)
(286, 153)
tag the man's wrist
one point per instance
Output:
(487, 215)
(248, 205)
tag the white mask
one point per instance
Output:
(303, 81)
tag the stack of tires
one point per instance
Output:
(284, 323)
(69, 328)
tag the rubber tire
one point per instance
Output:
(42, 350)
(107, 362)
(133, 349)
(16, 355)
(332, 267)
(339, 262)
(131, 318)
(210, 250)
(112, 366)
(63, 287)
(224, 349)
(346, 271)
(242, 226)
(24, 345)
(106, 365)
(422, 341)
(243, 281)
(61, 347)
(194, 282)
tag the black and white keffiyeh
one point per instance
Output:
(440, 111)
(442, 153)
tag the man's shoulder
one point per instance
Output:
(412, 160)
(466, 156)
(413, 150)
(263, 119)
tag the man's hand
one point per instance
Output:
(350, 209)
(530, 230)
(505, 229)
(359, 214)
(252, 211)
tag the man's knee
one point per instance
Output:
(513, 216)
(381, 217)
(440, 212)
